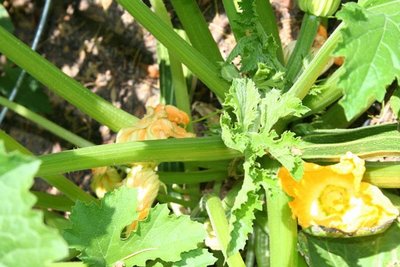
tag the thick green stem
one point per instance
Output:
(308, 77)
(45, 123)
(305, 40)
(266, 17)
(219, 223)
(186, 149)
(66, 186)
(206, 70)
(282, 230)
(192, 177)
(380, 145)
(383, 174)
(261, 247)
(179, 85)
(196, 29)
(47, 201)
(66, 87)
(250, 253)
(200, 149)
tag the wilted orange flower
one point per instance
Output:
(161, 122)
(144, 178)
(104, 179)
(334, 197)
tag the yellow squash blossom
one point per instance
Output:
(333, 197)
(161, 122)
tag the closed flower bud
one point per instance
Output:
(319, 8)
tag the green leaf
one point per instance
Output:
(283, 149)
(371, 48)
(247, 125)
(370, 251)
(255, 46)
(241, 222)
(241, 111)
(196, 258)
(276, 105)
(25, 240)
(96, 231)
(5, 20)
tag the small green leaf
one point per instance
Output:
(96, 231)
(275, 106)
(283, 149)
(241, 112)
(371, 48)
(25, 240)
(370, 251)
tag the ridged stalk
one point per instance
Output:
(305, 40)
(196, 29)
(178, 79)
(282, 230)
(206, 70)
(168, 150)
(220, 225)
(308, 77)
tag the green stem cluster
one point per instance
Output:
(203, 68)
(66, 87)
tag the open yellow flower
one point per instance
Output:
(333, 197)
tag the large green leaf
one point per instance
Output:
(96, 231)
(370, 251)
(24, 239)
(372, 51)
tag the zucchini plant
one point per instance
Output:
(292, 182)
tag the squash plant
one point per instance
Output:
(276, 116)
